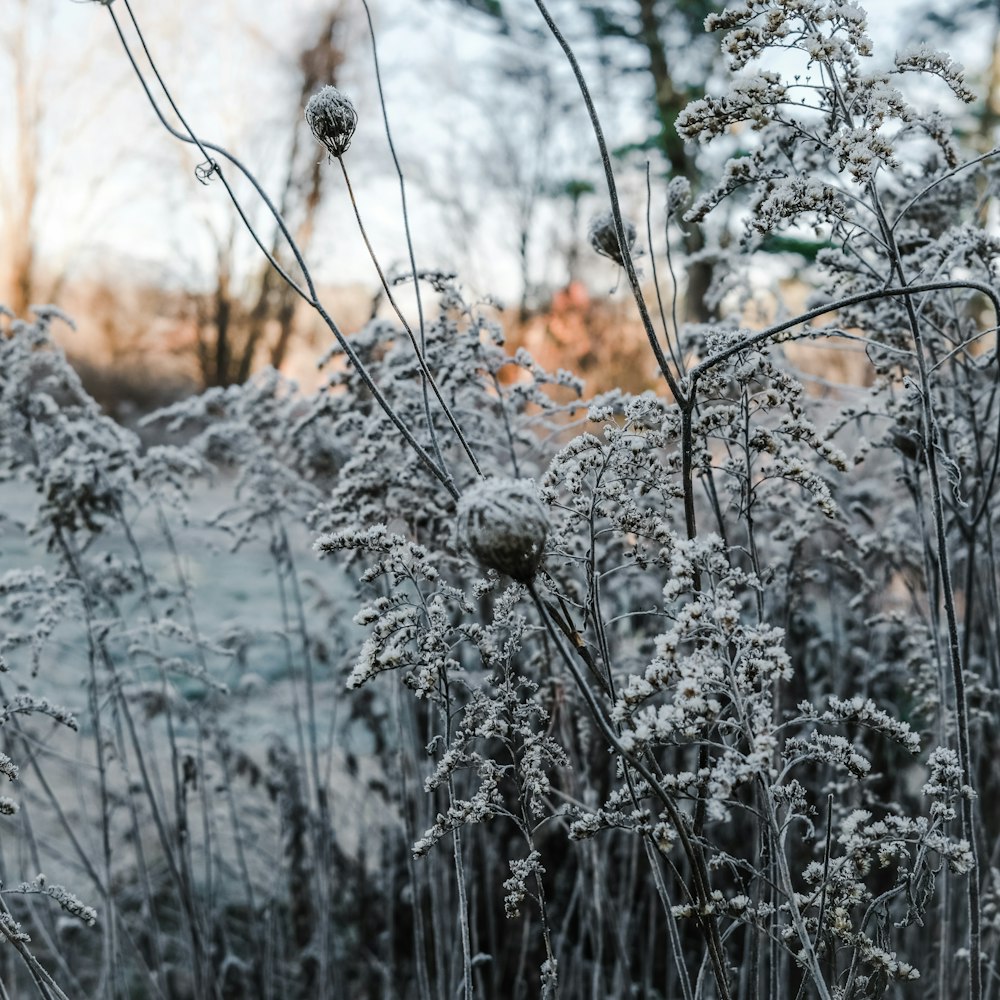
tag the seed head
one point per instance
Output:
(504, 525)
(604, 239)
(332, 118)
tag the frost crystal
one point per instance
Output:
(504, 525)
(332, 118)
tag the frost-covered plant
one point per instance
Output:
(332, 119)
(173, 786)
(674, 656)
(505, 526)
(603, 237)
(706, 729)
(841, 149)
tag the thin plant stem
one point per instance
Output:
(671, 340)
(676, 949)
(419, 931)
(616, 212)
(680, 823)
(753, 339)
(310, 296)
(932, 437)
(417, 348)
(418, 296)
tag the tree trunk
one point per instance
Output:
(669, 104)
(23, 197)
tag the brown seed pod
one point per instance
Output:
(503, 523)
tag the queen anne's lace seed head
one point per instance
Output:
(504, 525)
(604, 237)
(332, 118)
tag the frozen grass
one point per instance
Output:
(688, 694)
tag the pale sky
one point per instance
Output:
(115, 185)
(117, 191)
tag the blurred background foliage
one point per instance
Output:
(102, 213)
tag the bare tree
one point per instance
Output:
(20, 191)
(236, 321)
(658, 41)
(43, 129)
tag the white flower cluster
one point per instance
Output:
(922, 58)
(8, 767)
(847, 118)
(865, 712)
(516, 886)
(11, 929)
(26, 704)
(482, 806)
(945, 785)
(825, 29)
(830, 749)
(753, 98)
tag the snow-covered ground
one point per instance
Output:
(254, 697)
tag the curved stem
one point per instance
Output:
(616, 212)
(203, 147)
(940, 180)
(674, 353)
(851, 300)
(309, 294)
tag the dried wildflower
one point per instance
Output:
(516, 886)
(11, 930)
(678, 196)
(505, 526)
(332, 119)
(8, 767)
(923, 59)
(67, 900)
(603, 237)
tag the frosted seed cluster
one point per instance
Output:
(504, 525)
(332, 119)
(603, 237)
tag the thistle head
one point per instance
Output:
(503, 523)
(332, 118)
(604, 237)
